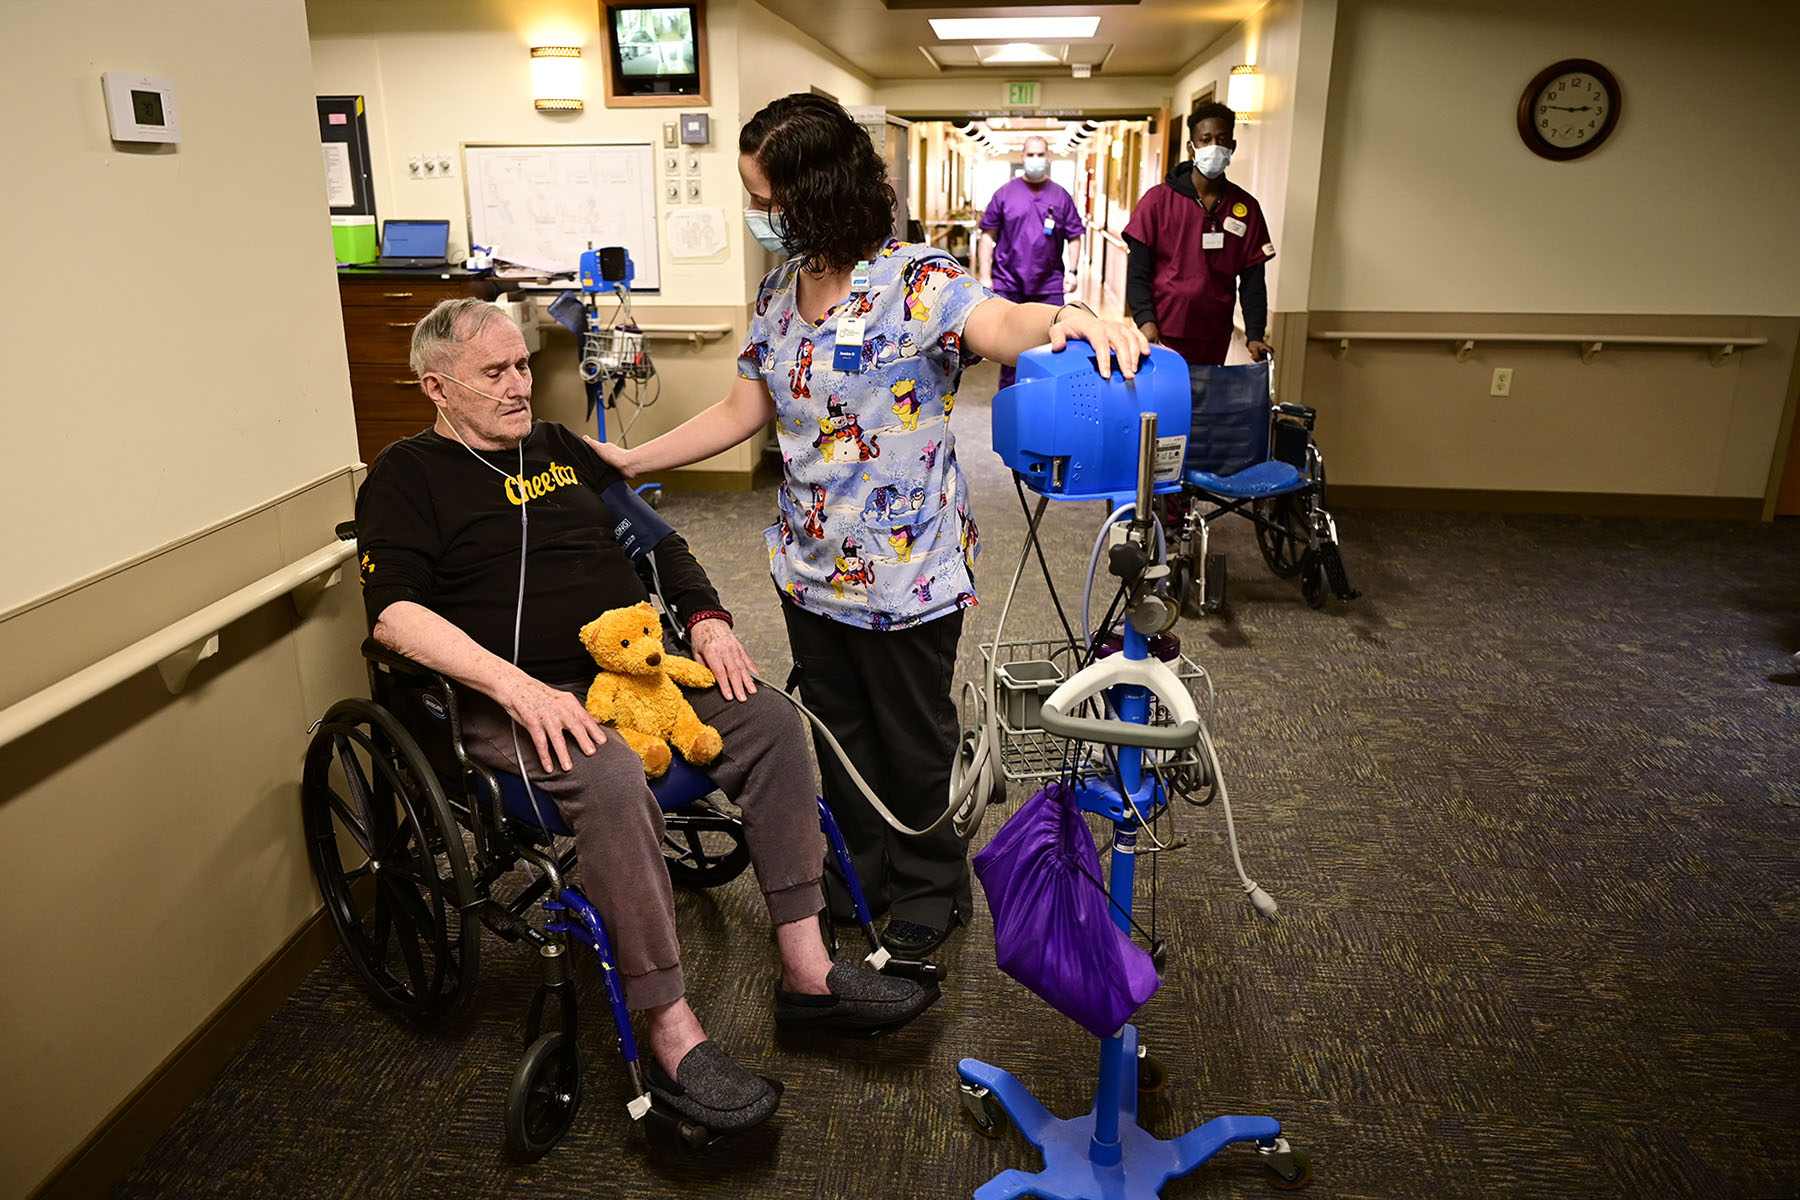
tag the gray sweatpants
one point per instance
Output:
(619, 827)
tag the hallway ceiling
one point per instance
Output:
(885, 37)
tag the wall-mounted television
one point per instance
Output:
(657, 51)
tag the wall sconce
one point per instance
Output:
(556, 78)
(1244, 93)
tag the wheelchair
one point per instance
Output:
(412, 842)
(1250, 456)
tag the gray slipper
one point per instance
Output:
(860, 1001)
(714, 1091)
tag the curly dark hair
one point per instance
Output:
(1213, 108)
(824, 176)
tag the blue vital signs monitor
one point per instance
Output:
(1072, 434)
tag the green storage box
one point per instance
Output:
(353, 238)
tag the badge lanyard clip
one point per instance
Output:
(847, 355)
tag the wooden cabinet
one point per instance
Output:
(380, 312)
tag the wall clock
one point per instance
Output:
(1568, 109)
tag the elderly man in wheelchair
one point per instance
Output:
(474, 572)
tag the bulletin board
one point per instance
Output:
(543, 205)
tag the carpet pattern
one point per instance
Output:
(1530, 811)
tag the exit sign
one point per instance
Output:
(1022, 95)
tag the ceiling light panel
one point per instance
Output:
(1013, 29)
(1021, 53)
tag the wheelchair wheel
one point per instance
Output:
(703, 848)
(545, 1092)
(1284, 537)
(1314, 585)
(399, 902)
(1181, 586)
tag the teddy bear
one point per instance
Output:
(635, 692)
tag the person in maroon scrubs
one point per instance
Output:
(1197, 244)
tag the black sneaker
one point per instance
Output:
(860, 1002)
(711, 1089)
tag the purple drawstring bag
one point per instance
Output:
(1053, 928)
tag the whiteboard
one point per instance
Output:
(543, 205)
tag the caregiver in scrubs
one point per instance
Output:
(855, 351)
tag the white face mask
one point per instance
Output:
(1211, 161)
(1036, 166)
(768, 229)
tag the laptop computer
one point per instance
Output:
(414, 244)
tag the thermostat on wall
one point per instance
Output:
(140, 108)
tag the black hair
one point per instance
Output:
(824, 176)
(1212, 108)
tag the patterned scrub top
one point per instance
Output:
(874, 528)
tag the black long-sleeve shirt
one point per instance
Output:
(436, 527)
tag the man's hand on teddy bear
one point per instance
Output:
(716, 646)
(547, 714)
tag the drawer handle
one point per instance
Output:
(401, 324)
(396, 295)
(404, 382)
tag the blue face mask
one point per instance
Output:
(768, 229)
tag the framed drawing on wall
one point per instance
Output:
(656, 53)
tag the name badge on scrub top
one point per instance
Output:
(1235, 226)
(847, 354)
(1212, 239)
(1049, 226)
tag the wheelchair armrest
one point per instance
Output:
(1298, 411)
(374, 651)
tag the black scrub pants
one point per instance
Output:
(886, 697)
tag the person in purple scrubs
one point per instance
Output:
(1028, 222)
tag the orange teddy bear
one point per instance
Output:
(635, 692)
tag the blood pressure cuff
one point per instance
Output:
(636, 527)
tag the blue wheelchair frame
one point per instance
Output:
(1253, 457)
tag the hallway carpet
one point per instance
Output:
(1530, 811)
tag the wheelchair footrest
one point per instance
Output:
(1213, 582)
(1333, 562)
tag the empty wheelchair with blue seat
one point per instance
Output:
(1250, 456)
(416, 847)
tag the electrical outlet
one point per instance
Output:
(1502, 385)
(445, 166)
(415, 166)
(693, 190)
(671, 163)
(672, 190)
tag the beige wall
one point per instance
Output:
(1430, 202)
(953, 96)
(1278, 154)
(1432, 214)
(440, 74)
(187, 414)
(196, 436)
(783, 60)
